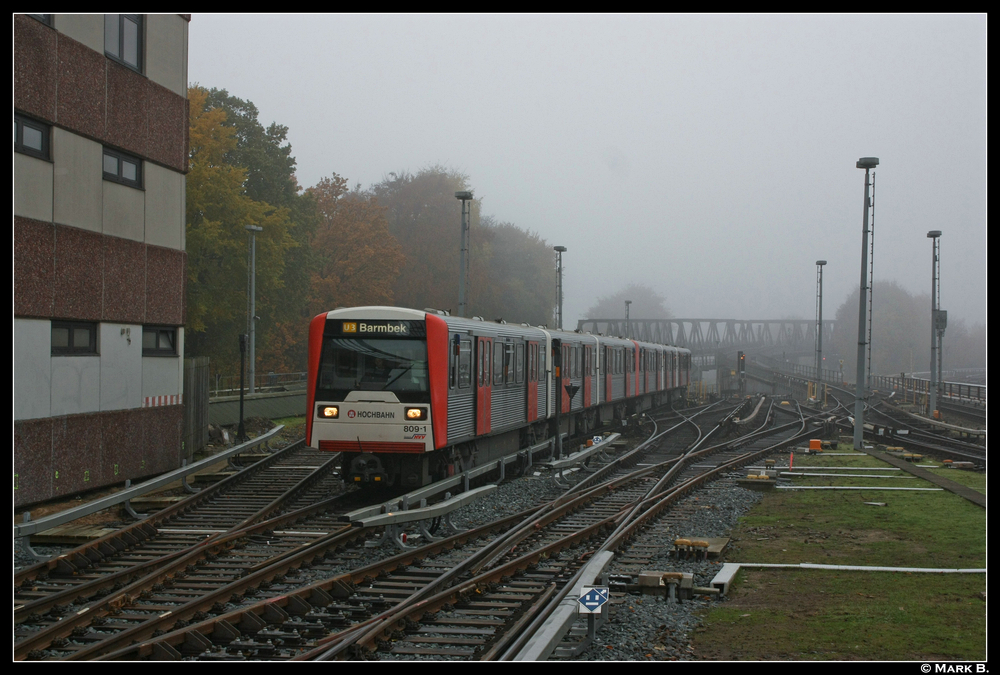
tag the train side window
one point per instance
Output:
(508, 362)
(541, 362)
(519, 364)
(498, 350)
(452, 367)
(464, 364)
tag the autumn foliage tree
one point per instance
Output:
(355, 259)
(511, 271)
(218, 211)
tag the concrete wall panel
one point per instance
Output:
(82, 102)
(77, 181)
(124, 281)
(32, 461)
(79, 274)
(165, 217)
(34, 263)
(124, 211)
(32, 368)
(35, 68)
(166, 51)
(87, 29)
(76, 384)
(121, 366)
(32, 187)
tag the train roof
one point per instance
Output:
(496, 327)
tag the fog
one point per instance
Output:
(710, 157)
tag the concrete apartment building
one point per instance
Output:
(100, 156)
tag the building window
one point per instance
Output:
(73, 338)
(159, 341)
(123, 39)
(122, 168)
(31, 137)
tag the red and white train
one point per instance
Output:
(410, 396)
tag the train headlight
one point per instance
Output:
(329, 411)
(416, 413)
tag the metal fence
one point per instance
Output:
(229, 385)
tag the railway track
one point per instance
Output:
(464, 597)
(77, 592)
(474, 595)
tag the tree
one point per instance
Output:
(356, 260)
(218, 211)
(900, 331)
(511, 271)
(645, 304)
(424, 217)
(515, 276)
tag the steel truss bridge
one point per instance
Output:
(706, 337)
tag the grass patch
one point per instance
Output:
(829, 615)
(292, 423)
(834, 615)
(972, 479)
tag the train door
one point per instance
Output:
(608, 372)
(484, 381)
(532, 381)
(563, 379)
(588, 360)
(627, 369)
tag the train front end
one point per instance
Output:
(373, 383)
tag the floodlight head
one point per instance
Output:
(253, 228)
(463, 194)
(934, 234)
(867, 162)
(820, 262)
(560, 249)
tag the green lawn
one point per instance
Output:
(837, 615)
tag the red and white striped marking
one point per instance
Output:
(155, 401)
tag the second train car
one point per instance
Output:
(410, 396)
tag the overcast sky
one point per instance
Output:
(711, 157)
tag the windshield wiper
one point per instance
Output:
(405, 371)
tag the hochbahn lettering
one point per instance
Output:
(371, 414)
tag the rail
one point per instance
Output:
(910, 386)
(30, 527)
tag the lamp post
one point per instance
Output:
(934, 235)
(559, 289)
(819, 320)
(866, 163)
(465, 196)
(628, 325)
(252, 314)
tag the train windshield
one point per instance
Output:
(396, 365)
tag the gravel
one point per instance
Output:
(642, 627)
(650, 628)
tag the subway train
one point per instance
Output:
(409, 396)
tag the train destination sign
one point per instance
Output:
(377, 328)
